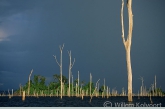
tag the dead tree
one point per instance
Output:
(72, 85)
(104, 89)
(70, 67)
(155, 87)
(127, 44)
(142, 86)
(78, 84)
(94, 90)
(90, 83)
(29, 81)
(60, 65)
(20, 89)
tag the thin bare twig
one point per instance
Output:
(56, 60)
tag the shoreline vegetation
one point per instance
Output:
(38, 88)
(83, 91)
(61, 86)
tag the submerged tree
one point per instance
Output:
(127, 44)
(60, 65)
(29, 81)
(70, 67)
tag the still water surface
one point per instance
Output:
(78, 102)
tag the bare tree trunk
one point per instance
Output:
(78, 84)
(72, 85)
(98, 89)
(142, 87)
(63, 88)
(107, 92)
(12, 92)
(104, 89)
(152, 86)
(141, 91)
(23, 96)
(155, 87)
(20, 89)
(129, 76)
(76, 89)
(60, 65)
(123, 91)
(70, 67)
(90, 83)
(127, 44)
(29, 81)
(94, 90)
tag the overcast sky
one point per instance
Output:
(32, 30)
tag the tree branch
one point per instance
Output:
(31, 73)
(56, 60)
(130, 21)
(73, 63)
(69, 52)
(61, 48)
(122, 23)
(94, 90)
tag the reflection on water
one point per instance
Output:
(78, 102)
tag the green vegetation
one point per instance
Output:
(39, 87)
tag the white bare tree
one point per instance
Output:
(78, 84)
(155, 86)
(94, 90)
(72, 85)
(127, 44)
(142, 86)
(60, 65)
(29, 81)
(90, 83)
(70, 67)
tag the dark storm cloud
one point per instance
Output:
(31, 32)
(10, 7)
